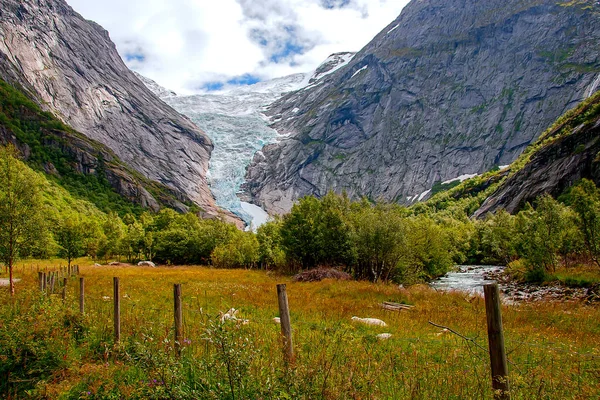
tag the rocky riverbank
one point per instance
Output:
(518, 292)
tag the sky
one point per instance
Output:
(194, 46)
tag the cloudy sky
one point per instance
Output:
(192, 46)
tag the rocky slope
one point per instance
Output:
(449, 88)
(564, 155)
(74, 160)
(75, 72)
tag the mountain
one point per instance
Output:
(450, 88)
(155, 87)
(234, 121)
(70, 67)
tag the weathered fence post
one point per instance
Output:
(286, 327)
(41, 281)
(496, 342)
(64, 290)
(178, 318)
(81, 295)
(117, 312)
(52, 281)
(45, 280)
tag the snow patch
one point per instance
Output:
(259, 216)
(460, 178)
(359, 71)
(393, 29)
(295, 110)
(342, 61)
(424, 194)
(503, 167)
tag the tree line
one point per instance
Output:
(374, 241)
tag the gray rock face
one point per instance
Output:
(449, 88)
(78, 75)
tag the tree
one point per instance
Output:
(299, 232)
(271, 255)
(379, 238)
(498, 234)
(114, 230)
(70, 236)
(21, 208)
(586, 203)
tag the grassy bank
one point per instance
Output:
(53, 353)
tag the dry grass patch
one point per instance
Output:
(553, 346)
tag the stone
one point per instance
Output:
(147, 264)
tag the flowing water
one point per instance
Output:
(466, 278)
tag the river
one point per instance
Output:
(466, 278)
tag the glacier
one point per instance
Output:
(233, 119)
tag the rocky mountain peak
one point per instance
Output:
(447, 89)
(77, 74)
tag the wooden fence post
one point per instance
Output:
(178, 318)
(64, 290)
(45, 282)
(286, 327)
(41, 281)
(52, 281)
(81, 295)
(496, 342)
(117, 312)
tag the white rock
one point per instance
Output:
(147, 264)
(369, 321)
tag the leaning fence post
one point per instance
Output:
(178, 318)
(64, 290)
(45, 282)
(496, 342)
(41, 281)
(286, 327)
(117, 313)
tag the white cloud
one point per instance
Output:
(185, 44)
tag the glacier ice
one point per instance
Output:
(233, 119)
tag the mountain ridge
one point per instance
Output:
(439, 93)
(75, 72)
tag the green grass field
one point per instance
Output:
(49, 351)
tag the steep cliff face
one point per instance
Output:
(566, 154)
(449, 88)
(73, 160)
(77, 74)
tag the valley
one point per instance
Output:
(145, 231)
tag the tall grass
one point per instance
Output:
(553, 347)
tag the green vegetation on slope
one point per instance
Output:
(49, 144)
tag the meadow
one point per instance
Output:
(47, 350)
